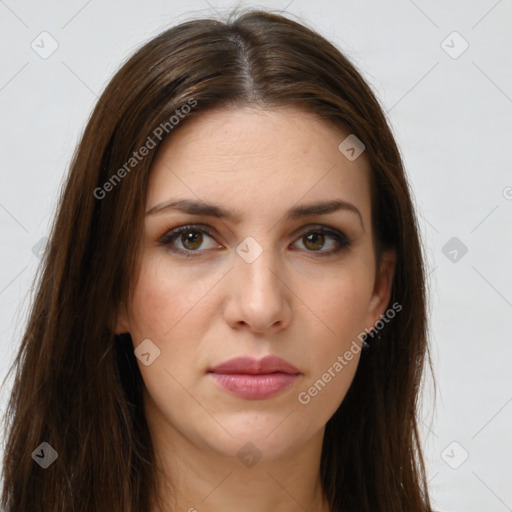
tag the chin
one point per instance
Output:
(263, 436)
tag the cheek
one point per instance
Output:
(165, 295)
(342, 303)
(158, 311)
(170, 307)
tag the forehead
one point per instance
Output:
(247, 159)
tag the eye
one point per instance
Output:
(192, 237)
(314, 240)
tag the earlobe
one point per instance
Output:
(122, 320)
(383, 286)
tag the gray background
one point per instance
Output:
(451, 118)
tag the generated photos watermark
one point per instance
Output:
(304, 397)
(159, 133)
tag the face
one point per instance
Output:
(257, 282)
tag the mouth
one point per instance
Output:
(254, 379)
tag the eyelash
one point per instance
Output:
(341, 239)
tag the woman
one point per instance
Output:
(231, 310)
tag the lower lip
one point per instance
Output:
(255, 387)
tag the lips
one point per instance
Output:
(248, 365)
(254, 379)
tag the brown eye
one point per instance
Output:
(314, 241)
(192, 240)
(188, 240)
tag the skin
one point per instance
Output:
(291, 301)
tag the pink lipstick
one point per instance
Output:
(254, 379)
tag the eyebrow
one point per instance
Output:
(211, 210)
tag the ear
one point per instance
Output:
(122, 320)
(382, 287)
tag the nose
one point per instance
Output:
(259, 296)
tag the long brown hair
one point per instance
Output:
(77, 385)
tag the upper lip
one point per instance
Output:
(249, 365)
